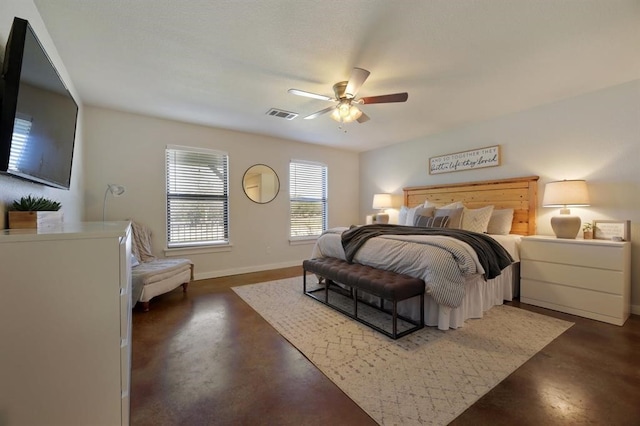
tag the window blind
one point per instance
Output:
(21, 130)
(197, 197)
(308, 198)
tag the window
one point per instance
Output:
(308, 197)
(21, 130)
(197, 197)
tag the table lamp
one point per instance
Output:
(564, 194)
(382, 202)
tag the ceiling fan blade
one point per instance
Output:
(357, 78)
(363, 118)
(383, 99)
(309, 95)
(319, 113)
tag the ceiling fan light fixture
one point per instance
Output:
(347, 109)
(345, 112)
(355, 112)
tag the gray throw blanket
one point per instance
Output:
(491, 255)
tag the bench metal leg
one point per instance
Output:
(395, 319)
(304, 281)
(354, 292)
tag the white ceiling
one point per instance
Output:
(225, 63)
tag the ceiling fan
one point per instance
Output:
(346, 109)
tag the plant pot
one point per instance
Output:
(34, 220)
(588, 235)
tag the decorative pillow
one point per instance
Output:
(430, 204)
(500, 222)
(455, 217)
(476, 220)
(431, 221)
(456, 205)
(422, 212)
(412, 212)
(402, 215)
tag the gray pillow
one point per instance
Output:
(455, 217)
(431, 222)
(422, 211)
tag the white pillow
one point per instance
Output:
(411, 214)
(402, 215)
(500, 222)
(476, 220)
(456, 205)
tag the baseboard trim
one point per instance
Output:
(635, 309)
(246, 270)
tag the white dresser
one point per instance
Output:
(589, 278)
(65, 325)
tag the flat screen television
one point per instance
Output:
(38, 115)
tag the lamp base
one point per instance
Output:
(566, 226)
(382, 218)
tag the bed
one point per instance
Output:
(410, 254)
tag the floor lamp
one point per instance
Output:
(115, 190)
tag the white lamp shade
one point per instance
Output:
(563, 194)
(566, 193)
(382, 201)
(345, 112)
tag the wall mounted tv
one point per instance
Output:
(37, 113)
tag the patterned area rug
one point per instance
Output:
(427, 377)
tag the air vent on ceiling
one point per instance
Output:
(282, 113)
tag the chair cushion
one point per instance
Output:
(148, 273)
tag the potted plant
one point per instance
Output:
(587, 230)
(34, 212)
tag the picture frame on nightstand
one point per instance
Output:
(613, 230)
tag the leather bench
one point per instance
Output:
(386, 285)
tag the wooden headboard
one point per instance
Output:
(519, 194)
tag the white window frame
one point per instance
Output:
(317, 195)
(191, 194)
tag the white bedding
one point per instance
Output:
(406, 254)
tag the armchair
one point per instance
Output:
(152, 276)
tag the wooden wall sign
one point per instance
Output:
(465, 160)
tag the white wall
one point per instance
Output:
(13, 188)
(129, 149)
(595, 136)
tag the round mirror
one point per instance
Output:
(261, 184)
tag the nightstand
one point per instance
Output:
(589, 278)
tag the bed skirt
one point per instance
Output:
(480, 296)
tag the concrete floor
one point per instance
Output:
(207, 358)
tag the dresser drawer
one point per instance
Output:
(125, 368)
(592, 256)
(125, 313)
(588, 303)
(602, 280)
